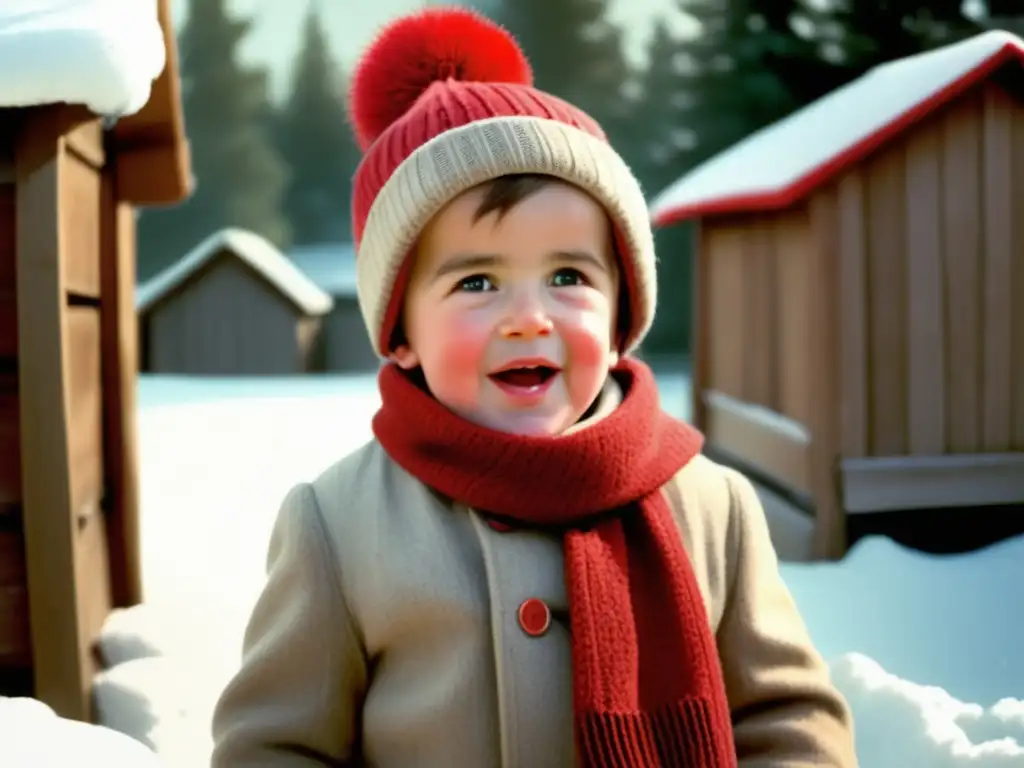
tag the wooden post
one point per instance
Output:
(824, 390)
(120, 367)
(60, 406)
(46, 472)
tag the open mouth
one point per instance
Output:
(524, 378)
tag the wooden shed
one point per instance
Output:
(344, 345)
(859, 299)
(69, 548)
(234, 305)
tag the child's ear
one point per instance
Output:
(404, 357)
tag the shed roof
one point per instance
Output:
(775, 167)
(254, 251)
(332, 266)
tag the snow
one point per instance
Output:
(770, 162)
(253, 250)
(32, 736)
(925, 648)
(900, 723)
(332, 266)
(104, 54)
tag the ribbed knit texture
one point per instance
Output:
(445, 105)
(647, 685)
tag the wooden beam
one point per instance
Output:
(120, 368)
(824, 389)
(86, 142)
(776, 445)
(932, 482)
(154, 175)
(155, 163)
(49, 521)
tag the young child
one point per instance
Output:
(531, 566)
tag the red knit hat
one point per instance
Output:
(443, 101)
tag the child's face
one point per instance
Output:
(512, 317)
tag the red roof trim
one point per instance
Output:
(787, 196)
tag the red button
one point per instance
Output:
(499, 526)
(534, 617)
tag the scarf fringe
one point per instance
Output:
(676, 736)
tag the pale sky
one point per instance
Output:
(351, 24)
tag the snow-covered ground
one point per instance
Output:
(926, 649)
(33, 736)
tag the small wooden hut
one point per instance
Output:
(234, 305)
(858, 292)
(344, 345)
(69, 541)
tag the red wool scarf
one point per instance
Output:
(647, 685)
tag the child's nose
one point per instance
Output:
(526, 320)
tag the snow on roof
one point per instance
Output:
(257, 253)
(776, 166)
(332, 266)
(104, 54)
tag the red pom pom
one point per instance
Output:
(419, 49)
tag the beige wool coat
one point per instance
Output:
(387, 634)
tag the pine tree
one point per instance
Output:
(239, 176)
(700, 95)
(734, 92)
(576, 52)
(314, 138)
(1005, 14)
(664, 110)
(849, 37)
(667, 150)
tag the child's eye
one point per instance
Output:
(475, 284)
(567, 277)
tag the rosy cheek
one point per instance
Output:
(464, 340)
(586, 330)
(587, 344)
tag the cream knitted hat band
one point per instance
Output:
(461, 158)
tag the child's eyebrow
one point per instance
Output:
(465, 262)
(579, 257)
